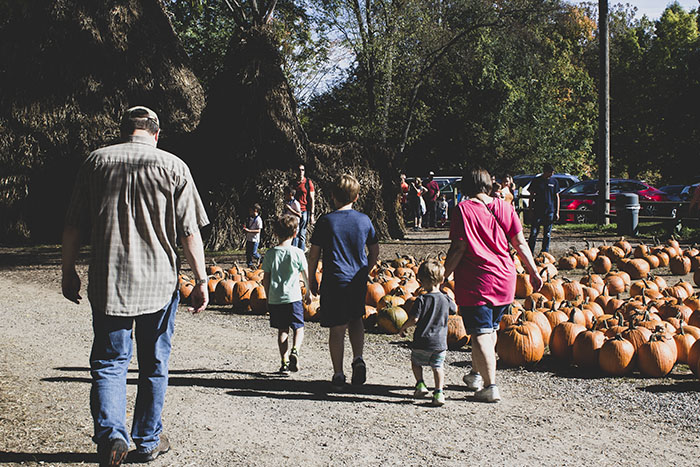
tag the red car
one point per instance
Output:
(582, 198)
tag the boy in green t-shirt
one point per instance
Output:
(282, 265)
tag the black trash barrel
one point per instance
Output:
(627, 207)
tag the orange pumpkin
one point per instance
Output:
(586, 347)
(520, 344)
(223, 292)
(616, 356)
(563, 335)
(457, 336)
(657, 356)
(258, 300)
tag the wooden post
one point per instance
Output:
(603, 115)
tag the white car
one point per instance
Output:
(522, 184)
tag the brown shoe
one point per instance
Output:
(162, 448)
(112, 453)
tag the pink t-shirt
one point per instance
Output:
(486, 273)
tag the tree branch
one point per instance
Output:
(270, 12)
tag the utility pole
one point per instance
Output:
(603, 115)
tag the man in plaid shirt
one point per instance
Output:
(137, 200)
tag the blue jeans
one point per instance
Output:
(544, 220)
(109, 362)
(300, 240)
(251, 252)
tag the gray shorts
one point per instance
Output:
(431, 358)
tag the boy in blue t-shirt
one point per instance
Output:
(341, 236)
(429, 314)
(282, 265)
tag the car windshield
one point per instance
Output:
(581, 188)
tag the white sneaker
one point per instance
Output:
(421, 390)
(474, 381)
(488, 394)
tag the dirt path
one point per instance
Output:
(225, 405)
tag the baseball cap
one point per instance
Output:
(431, 173)
(140, 111)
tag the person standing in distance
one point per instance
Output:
(137, 200)
(306, 195)
(544, 202)
(431, 195)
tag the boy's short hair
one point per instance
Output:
(345, 189)
(290, 190)
(431, 272)
(255, 207)
(547, 167)
(286, 226)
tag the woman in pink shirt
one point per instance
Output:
(481, 229)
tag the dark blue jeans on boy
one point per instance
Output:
(109, 362)
(251, 252)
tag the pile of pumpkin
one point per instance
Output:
(391, 292)
(588, 324)
(239, 287)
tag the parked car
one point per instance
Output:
(673, 192)
(522, 184)
(687, 192)
(582, 197)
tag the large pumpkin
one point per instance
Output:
(241, 294)
(520, 344)
(616, 356)
(523, 287)
(563, 336)
(637, 335)
(457, 336)
(684, 342)
(541, 321)
(258, 300)
(223, 292)
(637, 268)
(391, 319)
(586, 347)
(679, 265)
(657, 356)
(375, 291)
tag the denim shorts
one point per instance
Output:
(431, 358)
(286, 315)
(482, 319)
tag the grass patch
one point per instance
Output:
(647, 230)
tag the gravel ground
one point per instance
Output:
(226, 406)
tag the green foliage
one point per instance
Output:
(654, 90)
(206, 28)
(502, 85)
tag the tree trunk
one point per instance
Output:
(251, 141)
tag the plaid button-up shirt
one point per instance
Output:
(137, 199)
